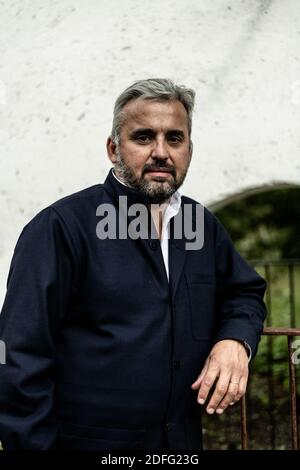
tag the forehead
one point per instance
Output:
(158, 115)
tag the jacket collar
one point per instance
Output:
(116, 189)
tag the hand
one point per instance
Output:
(227, 365)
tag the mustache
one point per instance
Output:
(159, 166)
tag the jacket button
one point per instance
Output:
(153, 244)
(178, 364)
(168, 426)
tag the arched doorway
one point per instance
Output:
(264, 224)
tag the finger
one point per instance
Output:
(219, 393)
(230, 396)
(242, 388)
(197, 382)
(207, 383)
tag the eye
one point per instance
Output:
(175, 138)
(143, 138)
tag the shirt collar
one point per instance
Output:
(174, 202)
(120, 181)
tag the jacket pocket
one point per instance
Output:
(202, 291)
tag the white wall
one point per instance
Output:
(63, 62)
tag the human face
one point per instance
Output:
(154, 151)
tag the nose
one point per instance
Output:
(160, 149)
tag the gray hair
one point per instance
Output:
(159, 89)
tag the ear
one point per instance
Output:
(111, 150)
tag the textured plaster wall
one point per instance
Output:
(62, 64)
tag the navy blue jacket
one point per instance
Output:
(101, 349)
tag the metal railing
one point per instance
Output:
(266, 424)
(267, 268)
(289, 333)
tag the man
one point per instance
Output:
(115, 340)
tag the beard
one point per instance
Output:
(159, 189)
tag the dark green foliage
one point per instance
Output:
(265, 225)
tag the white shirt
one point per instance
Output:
(168, 211)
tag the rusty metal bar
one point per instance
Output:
(268, 293)
(289, 333)
(270, 357)
(281, 331)
(244, 430)
(292, 295)
(293, 395)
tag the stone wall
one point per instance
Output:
(63, 62)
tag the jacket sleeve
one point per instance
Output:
(240, 290)
(40, 283)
